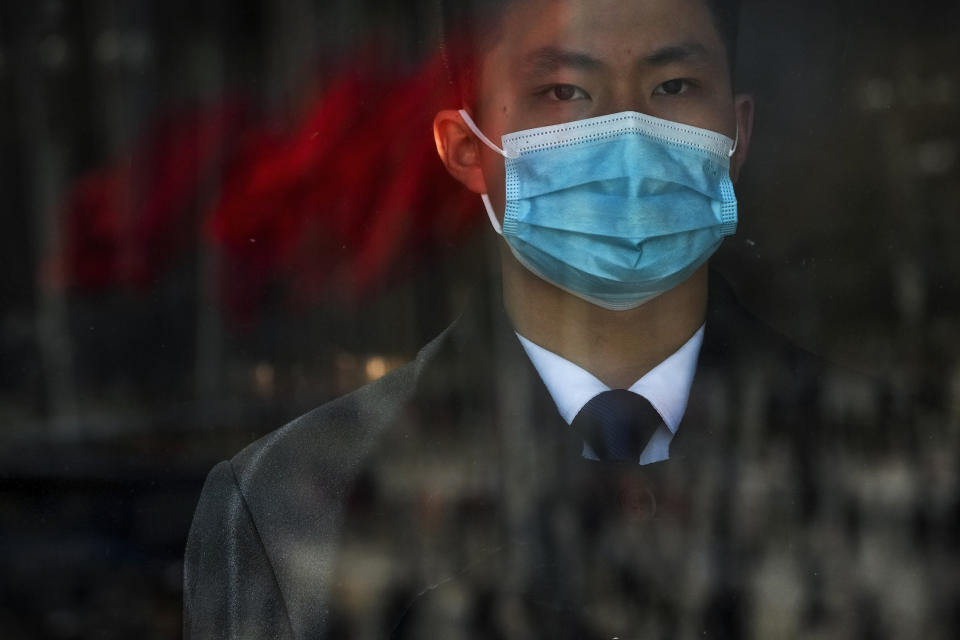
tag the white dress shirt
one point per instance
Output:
(666, 386)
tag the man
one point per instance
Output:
(619, 450)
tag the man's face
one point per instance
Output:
(555, 61)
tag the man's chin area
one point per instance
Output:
(524, 288)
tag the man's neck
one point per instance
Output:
(618, 347)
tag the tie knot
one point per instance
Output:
(617, 424)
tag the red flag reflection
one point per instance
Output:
(334, 209)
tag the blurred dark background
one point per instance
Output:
(141, 342)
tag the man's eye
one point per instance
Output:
(672, 87)
(566, 93)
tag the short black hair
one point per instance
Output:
(468, 25)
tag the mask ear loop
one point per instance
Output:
(490, 214)
(485, 140)
(736, 142)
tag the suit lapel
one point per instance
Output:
(706, 425)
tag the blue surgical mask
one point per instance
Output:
(616, 209)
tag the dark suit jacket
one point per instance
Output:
(448, 499)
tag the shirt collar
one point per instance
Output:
(666, 386)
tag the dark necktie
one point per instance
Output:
(617, 424)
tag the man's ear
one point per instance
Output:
(459, 150)
(743, 106)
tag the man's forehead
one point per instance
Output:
(552, 32)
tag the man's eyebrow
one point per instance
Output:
(549, 59)
(680, 52)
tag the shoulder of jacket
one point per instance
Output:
(292, 485)
(332, 437)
